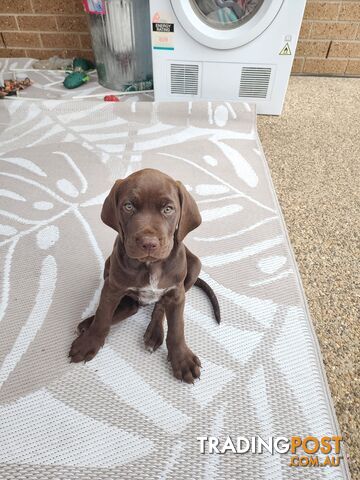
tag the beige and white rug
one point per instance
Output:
(48, 84)
(123, 415)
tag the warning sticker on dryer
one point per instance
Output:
(285, 50)
(162, 32)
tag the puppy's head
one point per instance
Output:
(150, 211)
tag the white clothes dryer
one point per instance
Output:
(225, 50)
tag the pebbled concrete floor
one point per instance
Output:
(313, 150)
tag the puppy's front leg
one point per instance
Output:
(185, 364)
(88, 343)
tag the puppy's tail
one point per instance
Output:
(212, 297)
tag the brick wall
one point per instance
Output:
(329, 40)
(42, 28)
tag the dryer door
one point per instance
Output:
(225, 24)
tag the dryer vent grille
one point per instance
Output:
(184, 79)
(254, 82)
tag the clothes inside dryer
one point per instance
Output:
(225, 14)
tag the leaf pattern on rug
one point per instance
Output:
(124, 415)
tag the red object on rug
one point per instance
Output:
(111, 98)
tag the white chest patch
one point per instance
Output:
(151, 293)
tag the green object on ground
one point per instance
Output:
(139, 86)
(75, 79)
(82, 64)
(79, 75)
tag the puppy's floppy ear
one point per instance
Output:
(190, 217)
(109, 212)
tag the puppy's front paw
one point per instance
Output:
(85, 347)
(185, 364)
(84, 325)
(154, 336)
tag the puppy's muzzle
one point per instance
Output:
(148, 244)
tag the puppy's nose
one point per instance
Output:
(149, 244)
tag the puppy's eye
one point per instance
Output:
(168, 210)
(128, 207)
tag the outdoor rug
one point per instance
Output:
(123, 415)
(48, 84)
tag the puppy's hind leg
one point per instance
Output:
(154, 335)
(125, 309)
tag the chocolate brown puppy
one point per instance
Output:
(152, 214)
